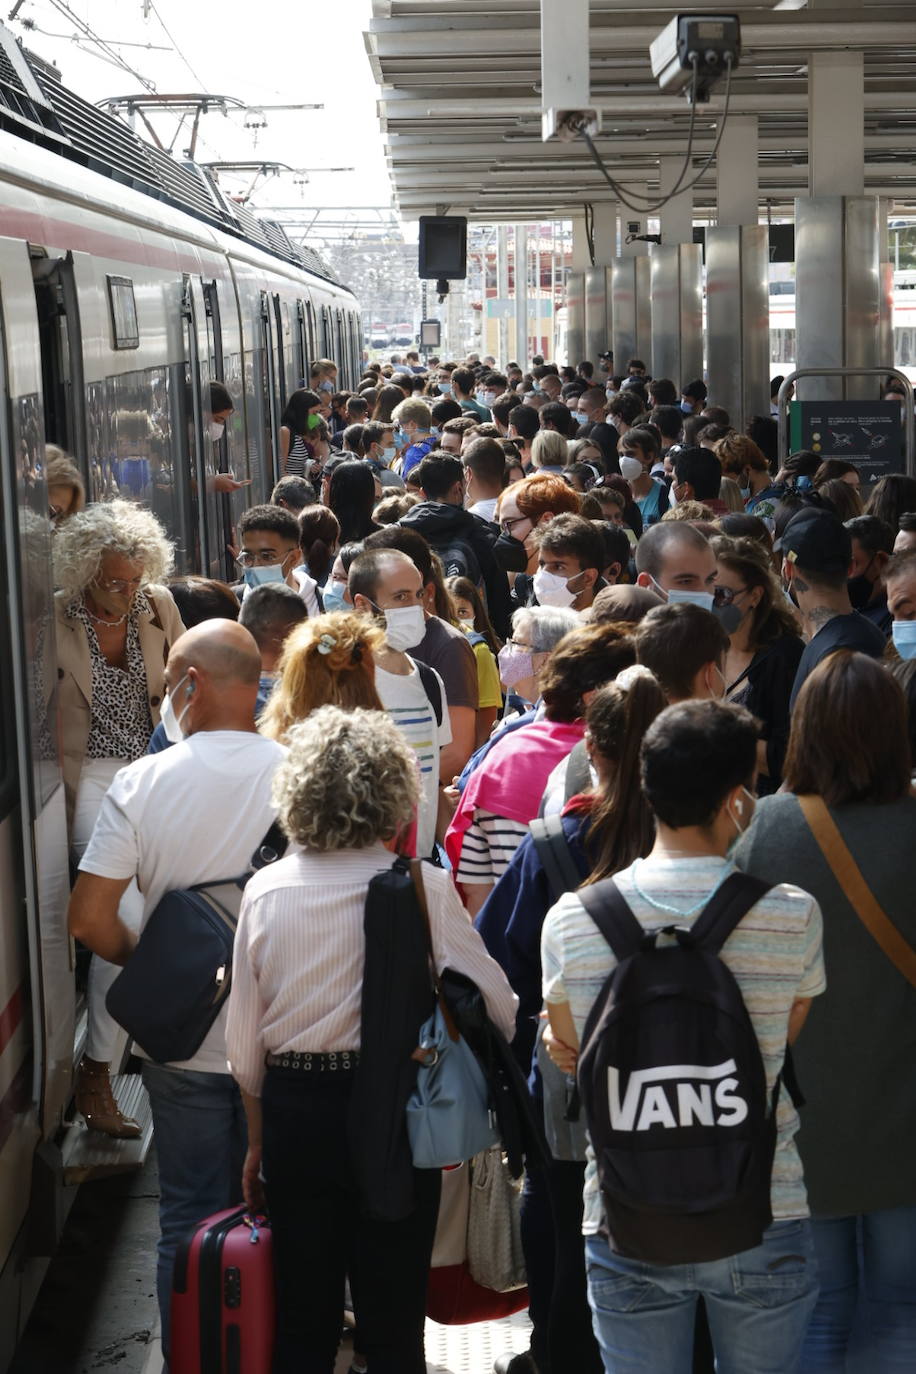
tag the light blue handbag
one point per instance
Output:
(448, 1114)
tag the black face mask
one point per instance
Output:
(510, 554)
(860, 591)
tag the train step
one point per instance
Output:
(90, 1154)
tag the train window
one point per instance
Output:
(125, 331)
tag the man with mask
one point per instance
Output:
(693, 397)
(269, 552)
(191, 814)
(386, 585)
(570, 560)
(816, 562)
(872, 546)
(675, 560)
(380, 452)
(900, 581)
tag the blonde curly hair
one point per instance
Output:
(328, 660)
(349, 780)
(117, 527)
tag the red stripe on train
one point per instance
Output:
(10, 1017)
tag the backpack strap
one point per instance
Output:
(731, 901)
(553, 851)
(578, 772)
(431, 688)
(610, 911)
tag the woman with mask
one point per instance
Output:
(764, 651)
(639, 452)
(298, 424)
(844, 828)
(503, 792)
(115, 623)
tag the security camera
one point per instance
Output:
(693, 52)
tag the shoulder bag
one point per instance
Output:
(176, 982)
(495, 1256)
(448, 1112)
(859, 895)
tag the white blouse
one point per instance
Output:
(297, 969)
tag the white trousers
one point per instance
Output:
(105, 1038)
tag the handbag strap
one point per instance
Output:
(860, 896)
(416, 873)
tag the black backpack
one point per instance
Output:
(674, 1087)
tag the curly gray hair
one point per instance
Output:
(348, 780)
(544, 626)
(117, 527)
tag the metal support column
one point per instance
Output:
(521, 295)
(676, 218)
(737, 176)
(737, 320)
(502, 290)
(631, 310)
(581, 257)
(677, 311)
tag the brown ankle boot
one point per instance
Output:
(96, 1102)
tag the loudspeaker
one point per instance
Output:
(443, 247)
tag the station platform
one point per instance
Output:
(97, 1308)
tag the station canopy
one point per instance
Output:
(460, 103)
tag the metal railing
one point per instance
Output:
(909, 417)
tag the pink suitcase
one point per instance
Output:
(223, 1305)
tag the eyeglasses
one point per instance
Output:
(507, 526)
(723, 596)
(266, 558)
(520, 644)
(119, 585)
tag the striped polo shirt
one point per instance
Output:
(775, 954)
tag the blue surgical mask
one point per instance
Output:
(389, 454)
(535, 386)
(400, 438)
(904, 635)
(686, 407)
(333, 597)
(704, 599)
(581, 417)
(256, 577)
(326, 385)
(445, 388)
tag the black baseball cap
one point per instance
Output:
(817, 541)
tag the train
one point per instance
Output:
(128, 282)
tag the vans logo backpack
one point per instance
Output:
(674, 1086)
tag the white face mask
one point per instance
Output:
(487, 398)
(171, 723)
(467, 626)
(406, 626)
(551, 589)
(630, 468)
(216, 430)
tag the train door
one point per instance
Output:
(222, 528)
(198, 479)
(283, 356)
(37, 1006)
(311, 337)
(269, 385)
(60, 342)
(300, 345)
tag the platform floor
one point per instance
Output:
(97, 1311)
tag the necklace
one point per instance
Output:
(100, 620)
(673, 910)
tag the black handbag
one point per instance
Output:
(176, 982)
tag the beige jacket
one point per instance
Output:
(158, 632)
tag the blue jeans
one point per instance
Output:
(201, 1138)
(867, 1304)
(758, 1304)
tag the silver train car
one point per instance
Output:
(127, 283)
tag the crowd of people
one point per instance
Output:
(541, 627)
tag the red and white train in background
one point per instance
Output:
(127, 283)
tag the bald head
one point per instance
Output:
(219, 649)
(212, 676)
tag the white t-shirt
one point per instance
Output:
(405, 700)
(486, 509)
(194, 813)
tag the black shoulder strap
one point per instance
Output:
(431, 688)
(553, 851)
(610, 911)
(271, 848)
(578, 772)
(731, 901)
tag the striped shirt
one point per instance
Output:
(404, 698)
(299, 951)
(487, 848)
(775, 955)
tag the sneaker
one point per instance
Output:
(515, 1364)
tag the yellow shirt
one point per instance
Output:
(488, 686)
